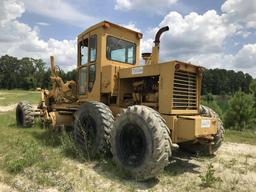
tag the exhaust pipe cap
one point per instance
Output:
(159, 33)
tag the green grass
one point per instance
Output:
(247, 137)
(8, 97)
(22, 148)
(33, 148)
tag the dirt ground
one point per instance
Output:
(234, 165)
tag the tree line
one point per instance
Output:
(225, 82)
(29, 73)
(237, 111)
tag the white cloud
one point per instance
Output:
(143, 5)
(146, 45)
(60, 10)
(201, 38)
(213, 60)
(10, 10)
(243, 60)
(131, 26)
(246, 57)
(194, 33)
(240, 12)
(20, 40)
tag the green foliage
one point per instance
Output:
(253, 86)
(253, 91)
(225, 82)
(240, 113)
(27, 73)
(209, 178)
(211, 102)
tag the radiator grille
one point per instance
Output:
(184, 91)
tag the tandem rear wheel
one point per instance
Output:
(140, 142)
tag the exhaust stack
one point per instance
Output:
(155, 49)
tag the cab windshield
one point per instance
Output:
(121, 50)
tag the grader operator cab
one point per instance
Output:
(134, 112)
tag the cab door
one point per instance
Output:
(92, 62)
(83, 48)
(87, 64)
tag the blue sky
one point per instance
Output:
(105, 10)
(215, 34)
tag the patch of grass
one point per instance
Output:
(27, 153)
(45, 180)
(247, 137)
(24, 149)
(70, 148)
(229, 164)
(8, 97)
(24, 154)
(209, 178)
(40, 179)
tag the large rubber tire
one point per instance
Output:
(203, 149)
(92, 127)
(24, 114)
(140, 142)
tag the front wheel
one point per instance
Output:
(24, 114)
(140, 142)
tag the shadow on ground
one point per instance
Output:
(109, 170)
(47, 138)
(179, 164)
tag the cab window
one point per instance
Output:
(93, 44)
(87, 71)
(92, 71)
(121, 50)
(84, 51)
(82, 80)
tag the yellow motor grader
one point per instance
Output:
(134, 112)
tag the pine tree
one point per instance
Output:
(240, 113)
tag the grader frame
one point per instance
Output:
(109, 76)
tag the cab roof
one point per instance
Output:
(105, 23)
